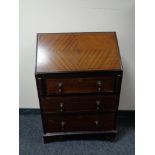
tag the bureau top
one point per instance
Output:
(74, 52)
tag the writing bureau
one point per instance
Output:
(78, 78)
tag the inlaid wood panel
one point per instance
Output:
(99, 122)
(67, 104)
(78, 77)
(63, 52)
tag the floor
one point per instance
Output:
(31, 142)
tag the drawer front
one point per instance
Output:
(80, 85)
(104, 122)
(64, 104)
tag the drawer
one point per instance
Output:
(96, 103)
(104, 122)
(80, 85)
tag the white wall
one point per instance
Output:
(75, 16)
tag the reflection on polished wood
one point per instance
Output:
(89, 51)
(78, 78)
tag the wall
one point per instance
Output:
(75, 16)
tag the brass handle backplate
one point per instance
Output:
(96, 122)
(60, 87)
(98, 102)
(99, 84)
(61, 106)
(63, 125)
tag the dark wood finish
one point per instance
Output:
(72, 104)
(80, 85)
(78, 77)
(67, 123)
(85, 135)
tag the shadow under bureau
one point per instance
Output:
(78, 78)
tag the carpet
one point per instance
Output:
(31, 142)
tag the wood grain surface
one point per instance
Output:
(99, 122)
(76, 104)
(80, 85)
(89, 51)
(78, 78)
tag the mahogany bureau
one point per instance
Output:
(78, 77)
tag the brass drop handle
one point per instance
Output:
(62, 125)
(99, 84)
(96, 122)
(60, 87)
(98, 105)
(61, 106)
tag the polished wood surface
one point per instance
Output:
(78, 78)
(80, 85)
(89, 51)
(87, 122)
(76, 104)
